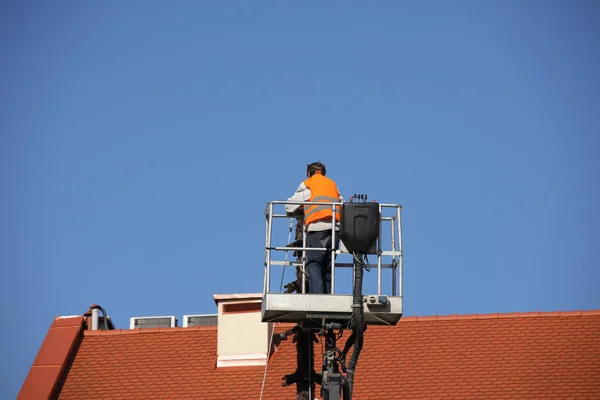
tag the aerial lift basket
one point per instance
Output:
(362, 231)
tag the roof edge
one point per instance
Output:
(54, 358)
(236, 296)
(538, 314)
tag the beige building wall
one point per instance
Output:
(242, 338)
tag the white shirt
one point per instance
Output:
(303, 194)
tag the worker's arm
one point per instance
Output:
(302, 193)
(341, 197)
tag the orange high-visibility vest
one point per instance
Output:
(321, 189)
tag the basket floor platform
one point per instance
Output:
(294, 307)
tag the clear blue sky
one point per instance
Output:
(141, 140)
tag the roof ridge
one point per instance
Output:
(416, 318)
(125, 331)
(578, 313)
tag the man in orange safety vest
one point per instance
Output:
(319, 223)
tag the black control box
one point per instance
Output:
(359, 226)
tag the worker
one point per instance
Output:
(319, 224)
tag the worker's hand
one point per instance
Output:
(298, 213)
(295, 243)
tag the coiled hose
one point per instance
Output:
(358, 317)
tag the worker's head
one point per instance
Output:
(311, 169)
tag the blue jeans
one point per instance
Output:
(318, 263)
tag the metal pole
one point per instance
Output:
(398, 212)
(269, 233)
(266, 260)
(379, 256)
(303, 258)
(95, 319)
(299, 248)
(393, 228)
(332, 252)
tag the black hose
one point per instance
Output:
(346, 389)
(105, 320)
(357, 315)
(349, 344)
(105, 317)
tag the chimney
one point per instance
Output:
(242, 338)
(93, 320)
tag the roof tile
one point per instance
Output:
(570, 313)
(66, 321)
(509, 315)
(590, 312)
(467, 316)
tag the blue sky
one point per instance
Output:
(140, 142)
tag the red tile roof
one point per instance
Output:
(52, 361)
(494, 356)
